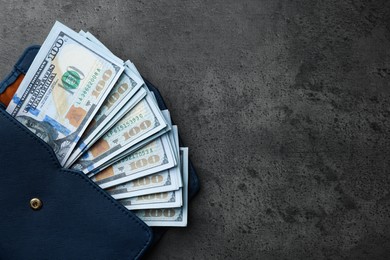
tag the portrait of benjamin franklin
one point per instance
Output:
(48, 133)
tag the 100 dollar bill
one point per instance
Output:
(127, 85)
(62, 91)
(174, 137)
(154, 157)
(144, 120)
(161, 200)
(132, 149)
(82, 147)
(170, 217)
(154, 183)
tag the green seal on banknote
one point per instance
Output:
(71, 79)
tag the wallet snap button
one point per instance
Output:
(35, 203)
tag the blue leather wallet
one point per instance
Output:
(48, 212)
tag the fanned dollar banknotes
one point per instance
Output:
(99, 116)
(64, 88)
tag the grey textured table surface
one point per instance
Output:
(284, 105)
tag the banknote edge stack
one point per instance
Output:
(99, 116)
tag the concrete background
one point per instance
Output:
(284, 105)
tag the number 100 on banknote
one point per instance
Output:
(64, 88)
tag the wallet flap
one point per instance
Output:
(77, 220)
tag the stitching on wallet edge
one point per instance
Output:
(74, 173)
